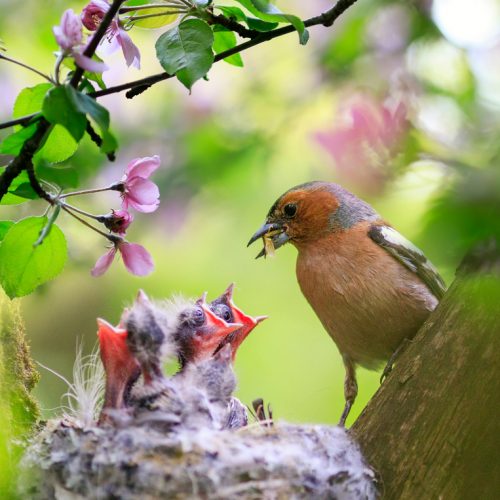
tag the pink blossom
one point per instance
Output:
(364, 144)
(69, 33)
(93, 13)
(138, 191)
(116, 36)
(118, 221)
(69, 37)
(136, 258)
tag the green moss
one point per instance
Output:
(19, 411)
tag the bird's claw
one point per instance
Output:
(260, 413)
(386, 372)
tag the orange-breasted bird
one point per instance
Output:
(370, 287)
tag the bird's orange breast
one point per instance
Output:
(366, 300)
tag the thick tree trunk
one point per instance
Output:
(433, 428)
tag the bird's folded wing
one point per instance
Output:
(409, 255)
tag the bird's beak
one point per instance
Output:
(275, 230)
(119, 364)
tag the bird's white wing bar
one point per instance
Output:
(409, 255)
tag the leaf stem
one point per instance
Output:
(46, 229)
(114, 187)
(109, 237)
(124, 10)
(146, 16)
(97, 218)
(30, 68)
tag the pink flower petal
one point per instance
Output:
(146, 209)
(136, 258)
(69, 33)
(103, 263)
(142, 192)
(93, 13)
(142, 167)
(109, 44)
(129, 49)
(89, 64)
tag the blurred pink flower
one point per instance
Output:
(118, 221)
(69, 37)
(138, 191)
(364, 145)
(116, 36)
(136, 258)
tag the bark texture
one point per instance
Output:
(432, 430)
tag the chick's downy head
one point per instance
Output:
(199, 332)
(149, 335)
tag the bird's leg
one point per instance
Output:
(388, 367)
(350, 388)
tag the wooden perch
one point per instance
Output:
(432, 430)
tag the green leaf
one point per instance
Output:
(186, 51)
(15, 199)
(270, 13)
(99, 114)
(237, 14)
(24, 267)
(5, 225)
(233, 13)
(224, 40)
(59, 108)
(60, 145)
(13, 143)
(25, 190)
(154, 22)
(260, 25)
(64, 177)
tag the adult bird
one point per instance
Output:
(370, 287)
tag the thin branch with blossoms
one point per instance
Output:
(72, 100)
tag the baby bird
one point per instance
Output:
(224, 307)
(150, 337)
(158, 331)
(121, 368)
(199, 332)
(207, 387)
(370, 287)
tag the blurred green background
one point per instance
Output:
(245, 136)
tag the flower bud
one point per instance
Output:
(93, 13)
(118, 221)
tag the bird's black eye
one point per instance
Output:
(223, 312)
(226, 314)
(290, 209)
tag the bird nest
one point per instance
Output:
(140, 460)
(186, 435)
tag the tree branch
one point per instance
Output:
(138, 86)
(22, 120)
(325, 19)
(25, 158)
